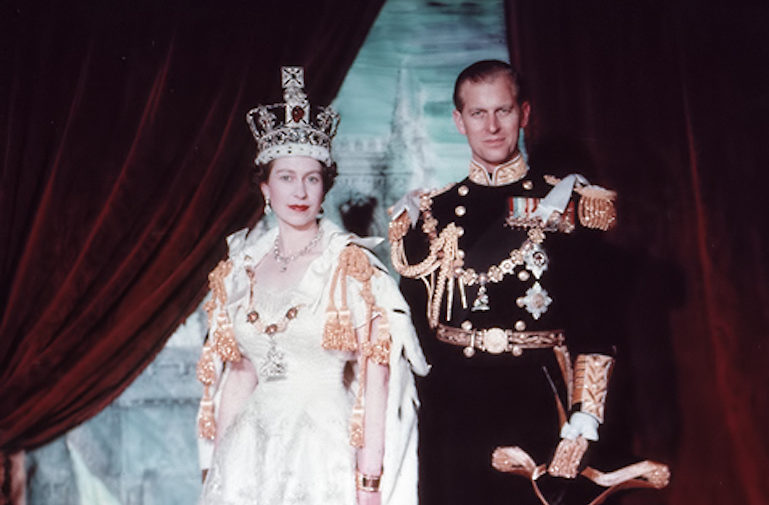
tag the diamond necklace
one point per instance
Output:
(274, 366)
(285, 260)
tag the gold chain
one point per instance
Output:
(497, 272)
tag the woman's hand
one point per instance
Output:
(369, 497)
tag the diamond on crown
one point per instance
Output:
(298, 133)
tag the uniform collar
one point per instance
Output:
(506, 173)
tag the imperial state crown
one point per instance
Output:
(293, 127)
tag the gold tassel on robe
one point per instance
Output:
(338, 333)
(222, 343)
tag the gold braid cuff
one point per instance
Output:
(591, 382)
(339, 334)
(222, 343)
(596, 208)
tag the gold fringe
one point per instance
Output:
(225, 344)
(339, 334)
(222, 342)
(379, 351)
(206, 370)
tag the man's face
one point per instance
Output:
(490, 119)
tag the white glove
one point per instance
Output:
(583, 424)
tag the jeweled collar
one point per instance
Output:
(506, 173)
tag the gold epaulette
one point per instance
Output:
(596, 208)
(399, 226)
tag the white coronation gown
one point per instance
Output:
(289, 443)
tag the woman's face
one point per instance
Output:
(295, 190)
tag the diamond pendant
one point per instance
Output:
(274, 365)
(481, 303)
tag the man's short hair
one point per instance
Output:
(486, 70)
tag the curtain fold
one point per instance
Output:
(124, 162)
(668, 100)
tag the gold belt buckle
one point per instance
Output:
(495, 340)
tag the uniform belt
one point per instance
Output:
(499, 340)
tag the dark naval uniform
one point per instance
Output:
(504, 303)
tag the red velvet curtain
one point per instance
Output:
(125, 160)
(669, 102)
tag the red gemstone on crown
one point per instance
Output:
(297, 113)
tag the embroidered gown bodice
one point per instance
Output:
(289, 441)
(289, 444)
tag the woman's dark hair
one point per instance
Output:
(486, 70)
(328, 174)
